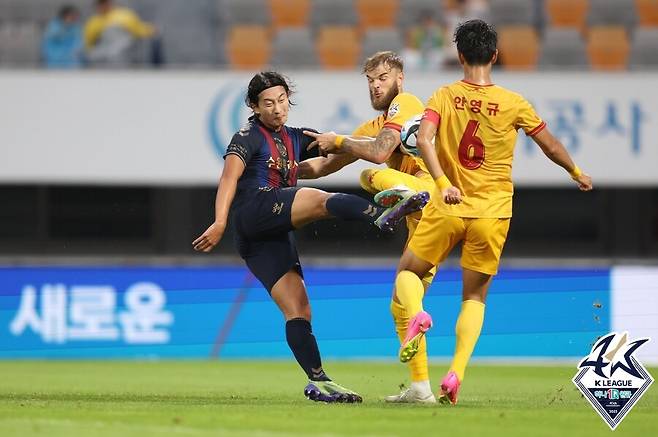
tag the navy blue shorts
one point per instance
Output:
(264, 237)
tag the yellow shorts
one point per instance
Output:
(483, 239)
(374, 180)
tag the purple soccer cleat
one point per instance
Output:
(410, 202)
(330, 392)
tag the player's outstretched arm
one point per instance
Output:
(556, 152)
(233, 168)
(376, 150)
(425, 144)
(314, 168)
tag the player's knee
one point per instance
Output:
(315, 202)
(413, 265)
(474, 295)
(406, 277)
(365, 179)
(306, 312)
(321, 205)
(298, 311)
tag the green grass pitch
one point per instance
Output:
(261, 398)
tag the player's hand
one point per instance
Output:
(325, 142)
(584, 182)
(452, 195)
(209, 239)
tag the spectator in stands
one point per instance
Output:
(465, 10)
(111, 35)
(424, 45)
(62, 40)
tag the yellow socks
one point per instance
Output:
(374, 180)
(467, 330)
(365, 179)
(386, 178)
(410, 291)
(418, 364)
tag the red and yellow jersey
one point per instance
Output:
(403, 107)
(476, 135)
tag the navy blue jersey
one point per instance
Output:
(271, 158)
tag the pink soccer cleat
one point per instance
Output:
(449, 389)
(418, 326)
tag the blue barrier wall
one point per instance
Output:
(193, 312)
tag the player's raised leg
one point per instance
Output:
(394, 183)
(428, 247)
(409, 293)
(420, 390)
(311, 205)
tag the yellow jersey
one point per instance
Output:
(476, 135)
(404, 106)
(116, 17)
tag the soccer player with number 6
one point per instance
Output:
(475, 124)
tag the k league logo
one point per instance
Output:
(611, 378)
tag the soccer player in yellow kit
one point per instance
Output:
(475, 124)
(378, 141)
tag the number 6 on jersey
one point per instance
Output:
(471, 148)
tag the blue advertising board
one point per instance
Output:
(200, 312)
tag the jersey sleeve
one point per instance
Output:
(527, 119)
(304, 142)
(433, 108)
(368, 129)
(242, 145)
(136, 26)
(403, 107)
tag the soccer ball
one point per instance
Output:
(408, 136)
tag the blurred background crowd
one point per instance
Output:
(322, 34)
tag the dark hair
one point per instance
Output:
(476, 41)
(388, 58)
(264, 80)
(103, 2)
(67, 10)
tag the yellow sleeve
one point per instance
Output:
(368, 129)
(433, 108)
(527, 119)
(93, 29)
(403, 107)
(136, 26)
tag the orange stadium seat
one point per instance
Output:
(248, 47)
(449, 5)
(290, 13)
(519, 47)
(608, 47)
(647, 12)
(338, 47)
(567, 13)
(377, 13)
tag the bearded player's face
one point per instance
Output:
(384, 84)
(273, 107)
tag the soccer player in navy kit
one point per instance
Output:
(258, 184)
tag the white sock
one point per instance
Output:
(422, 387)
